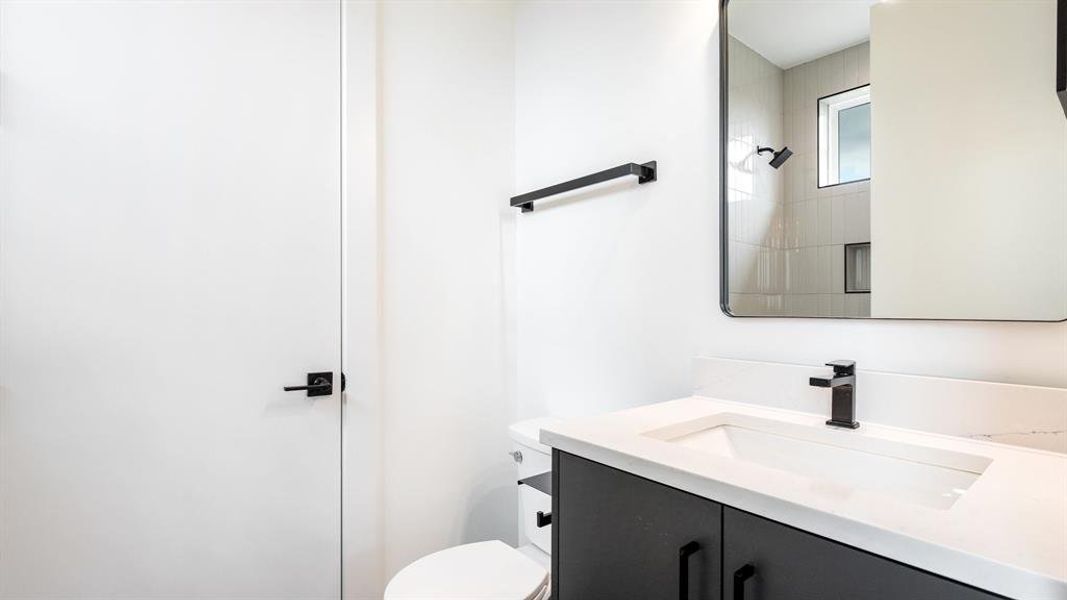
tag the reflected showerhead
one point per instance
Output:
(779, 157)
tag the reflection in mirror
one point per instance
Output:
(845, 137)
(886, 160)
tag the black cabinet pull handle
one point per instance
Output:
(740, 577)
(683, 568)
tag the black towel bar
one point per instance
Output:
(645, 173)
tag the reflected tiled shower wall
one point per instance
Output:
(818, 222)
(787, 235)
(755, 191)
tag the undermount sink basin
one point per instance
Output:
(832, 461)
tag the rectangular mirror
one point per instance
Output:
(903, 159)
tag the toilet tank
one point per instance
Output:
(532, 458)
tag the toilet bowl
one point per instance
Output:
(484, 570)
(493, 570)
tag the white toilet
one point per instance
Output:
(493, 570)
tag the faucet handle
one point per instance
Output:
(843, 367)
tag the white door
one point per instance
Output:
(169, 259)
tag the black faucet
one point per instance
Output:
(843, 384)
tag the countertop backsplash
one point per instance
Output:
(1022, 415)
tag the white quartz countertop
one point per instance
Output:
(1006, 534)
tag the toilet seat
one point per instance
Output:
(480, 571)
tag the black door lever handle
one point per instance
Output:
(318, 384)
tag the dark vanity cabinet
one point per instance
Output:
(617, 536)
(790, 564)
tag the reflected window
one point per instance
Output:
(845, 137)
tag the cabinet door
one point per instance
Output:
(619, 537)
(788, 564)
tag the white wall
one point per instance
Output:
(617, 292)
(614, 290)
(969, 205)
(363, 541)
(429, 168)
(446, 169)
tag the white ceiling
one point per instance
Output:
(792, 32)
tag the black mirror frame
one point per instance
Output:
(724, 240)
(1061, 53)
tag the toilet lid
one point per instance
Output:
(484, 570)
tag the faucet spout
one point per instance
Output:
(831, 382)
